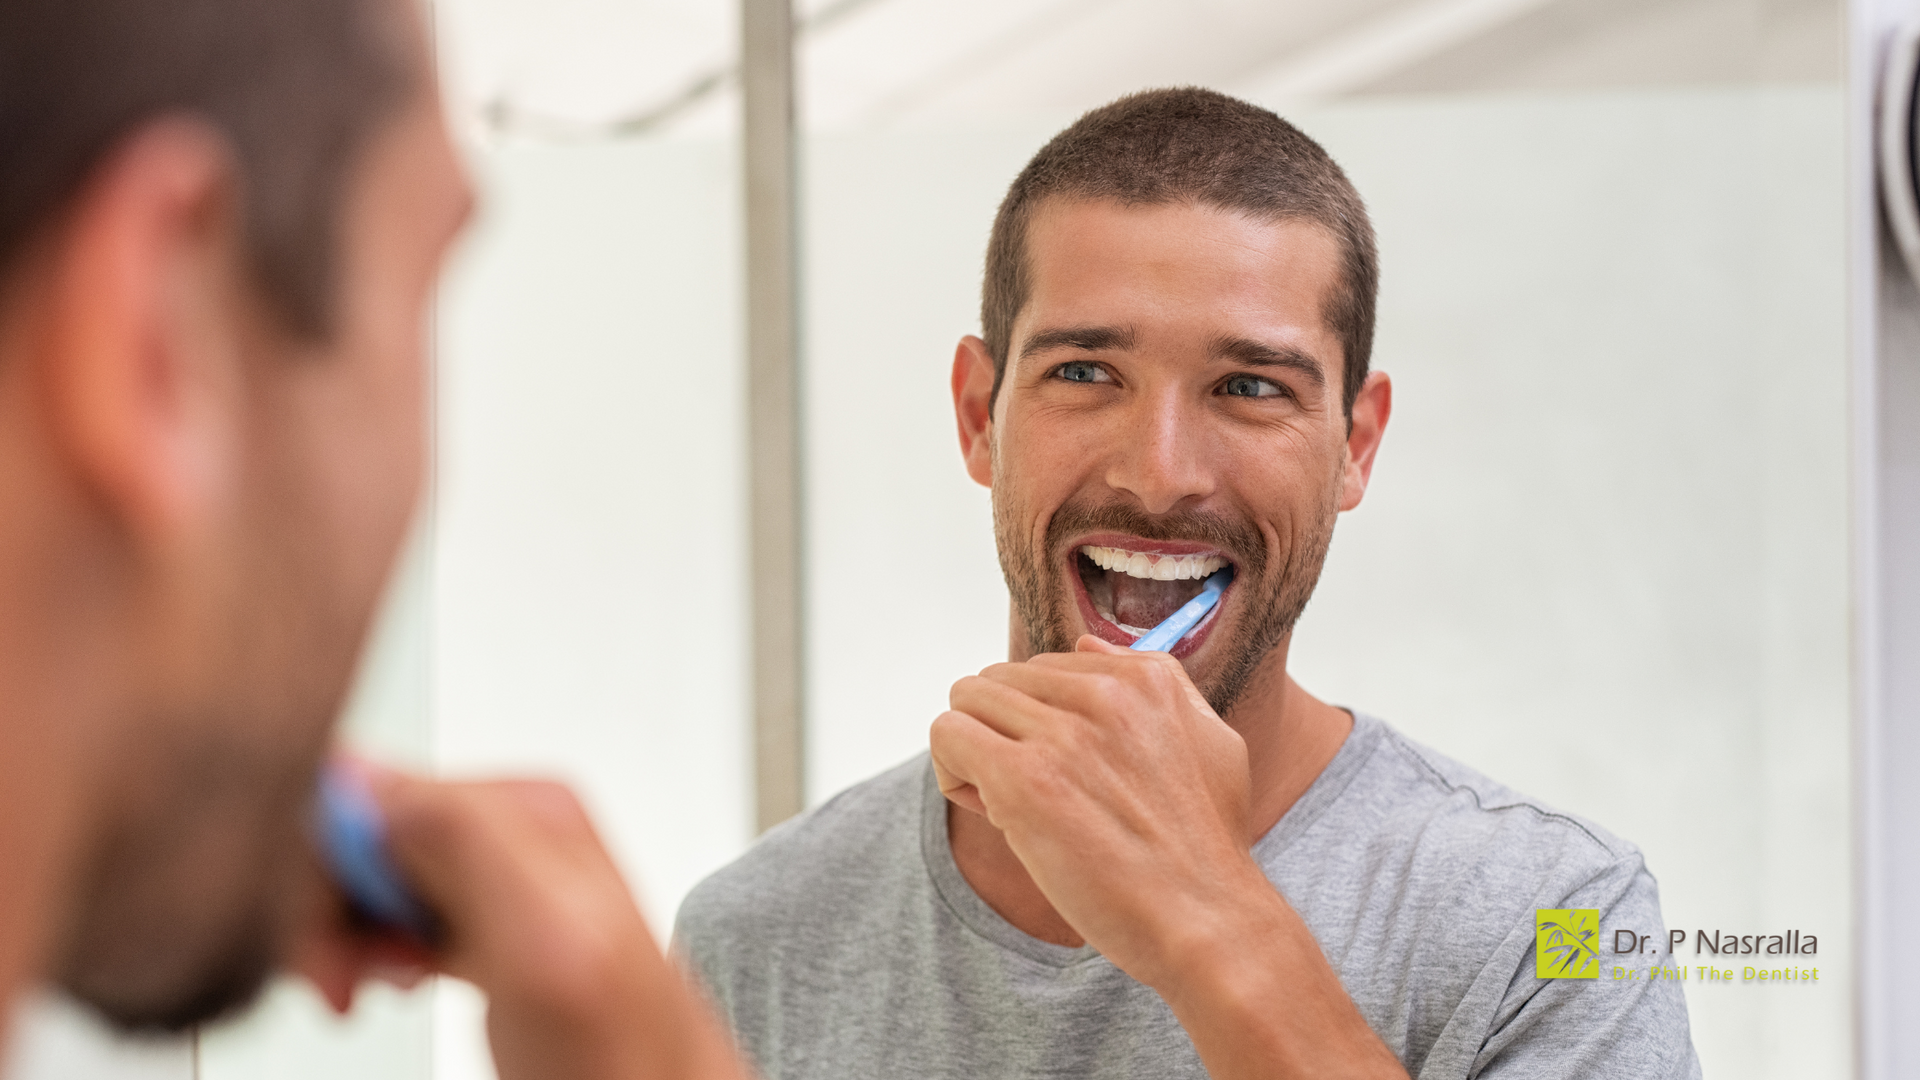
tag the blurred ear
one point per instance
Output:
(973, 407)
(1370, 412)
(139, 364)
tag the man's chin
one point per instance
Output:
(159, 949)
(219, 988)
(215, 993)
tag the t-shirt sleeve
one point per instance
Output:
(1545, 1029)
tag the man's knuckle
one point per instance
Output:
(1106, 687)
(1042, 775)
(966, 688)
(945, 728)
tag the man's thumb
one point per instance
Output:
(1091, 643)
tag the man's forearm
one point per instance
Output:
(540, 920)
(652, 1027)
(1259, 1000)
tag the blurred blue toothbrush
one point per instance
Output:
(352, 835)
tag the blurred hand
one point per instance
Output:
(536, 915)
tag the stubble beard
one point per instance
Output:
(183, 914)
(1043, 601)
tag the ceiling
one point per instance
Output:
(595, 68)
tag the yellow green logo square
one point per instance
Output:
(1565, 943)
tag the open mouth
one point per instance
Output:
(1127, 590)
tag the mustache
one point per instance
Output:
(1237, 537)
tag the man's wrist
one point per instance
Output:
(1255, 993)
(1230, 949)
(648, 1023)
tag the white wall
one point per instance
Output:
(588, 571)
(52, 1038)
(1604, 558)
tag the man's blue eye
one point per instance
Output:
(1080, 371)
(1249, 386)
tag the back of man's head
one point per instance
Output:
(1198, 146)
(294, 86)
(219, 225)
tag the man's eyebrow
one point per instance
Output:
(1259, 354)
(1085, 338)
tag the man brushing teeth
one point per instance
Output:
(1127, 863)
(1121, 586)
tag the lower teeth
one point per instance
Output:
(1102, 585)
(1109, 616)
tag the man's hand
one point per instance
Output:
(1122, 793)
(1127, 801)
(536, 915)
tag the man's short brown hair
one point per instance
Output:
(294, 86)
(1199, 146)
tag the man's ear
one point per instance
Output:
(1370, 412)
(139, 359)
(973, 407)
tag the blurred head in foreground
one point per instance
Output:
(220, 222)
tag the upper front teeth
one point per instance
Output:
(1140, 564)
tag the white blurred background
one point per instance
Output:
(1604, 557)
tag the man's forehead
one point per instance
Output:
(1060, 220)
(1123, 274)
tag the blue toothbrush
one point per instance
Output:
(1177, 625)
(352, 834)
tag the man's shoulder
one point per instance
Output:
(865, 837)
(1471, 794)
(1421, 801)
(1422, 868)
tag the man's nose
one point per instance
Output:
(1161, 460)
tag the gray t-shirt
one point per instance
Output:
(846, 944)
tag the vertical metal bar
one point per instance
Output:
(1885, 331)
(766, 83)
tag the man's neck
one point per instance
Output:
(1291, 737)
(39, 826)
(50, 686)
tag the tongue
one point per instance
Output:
(1142, 603)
